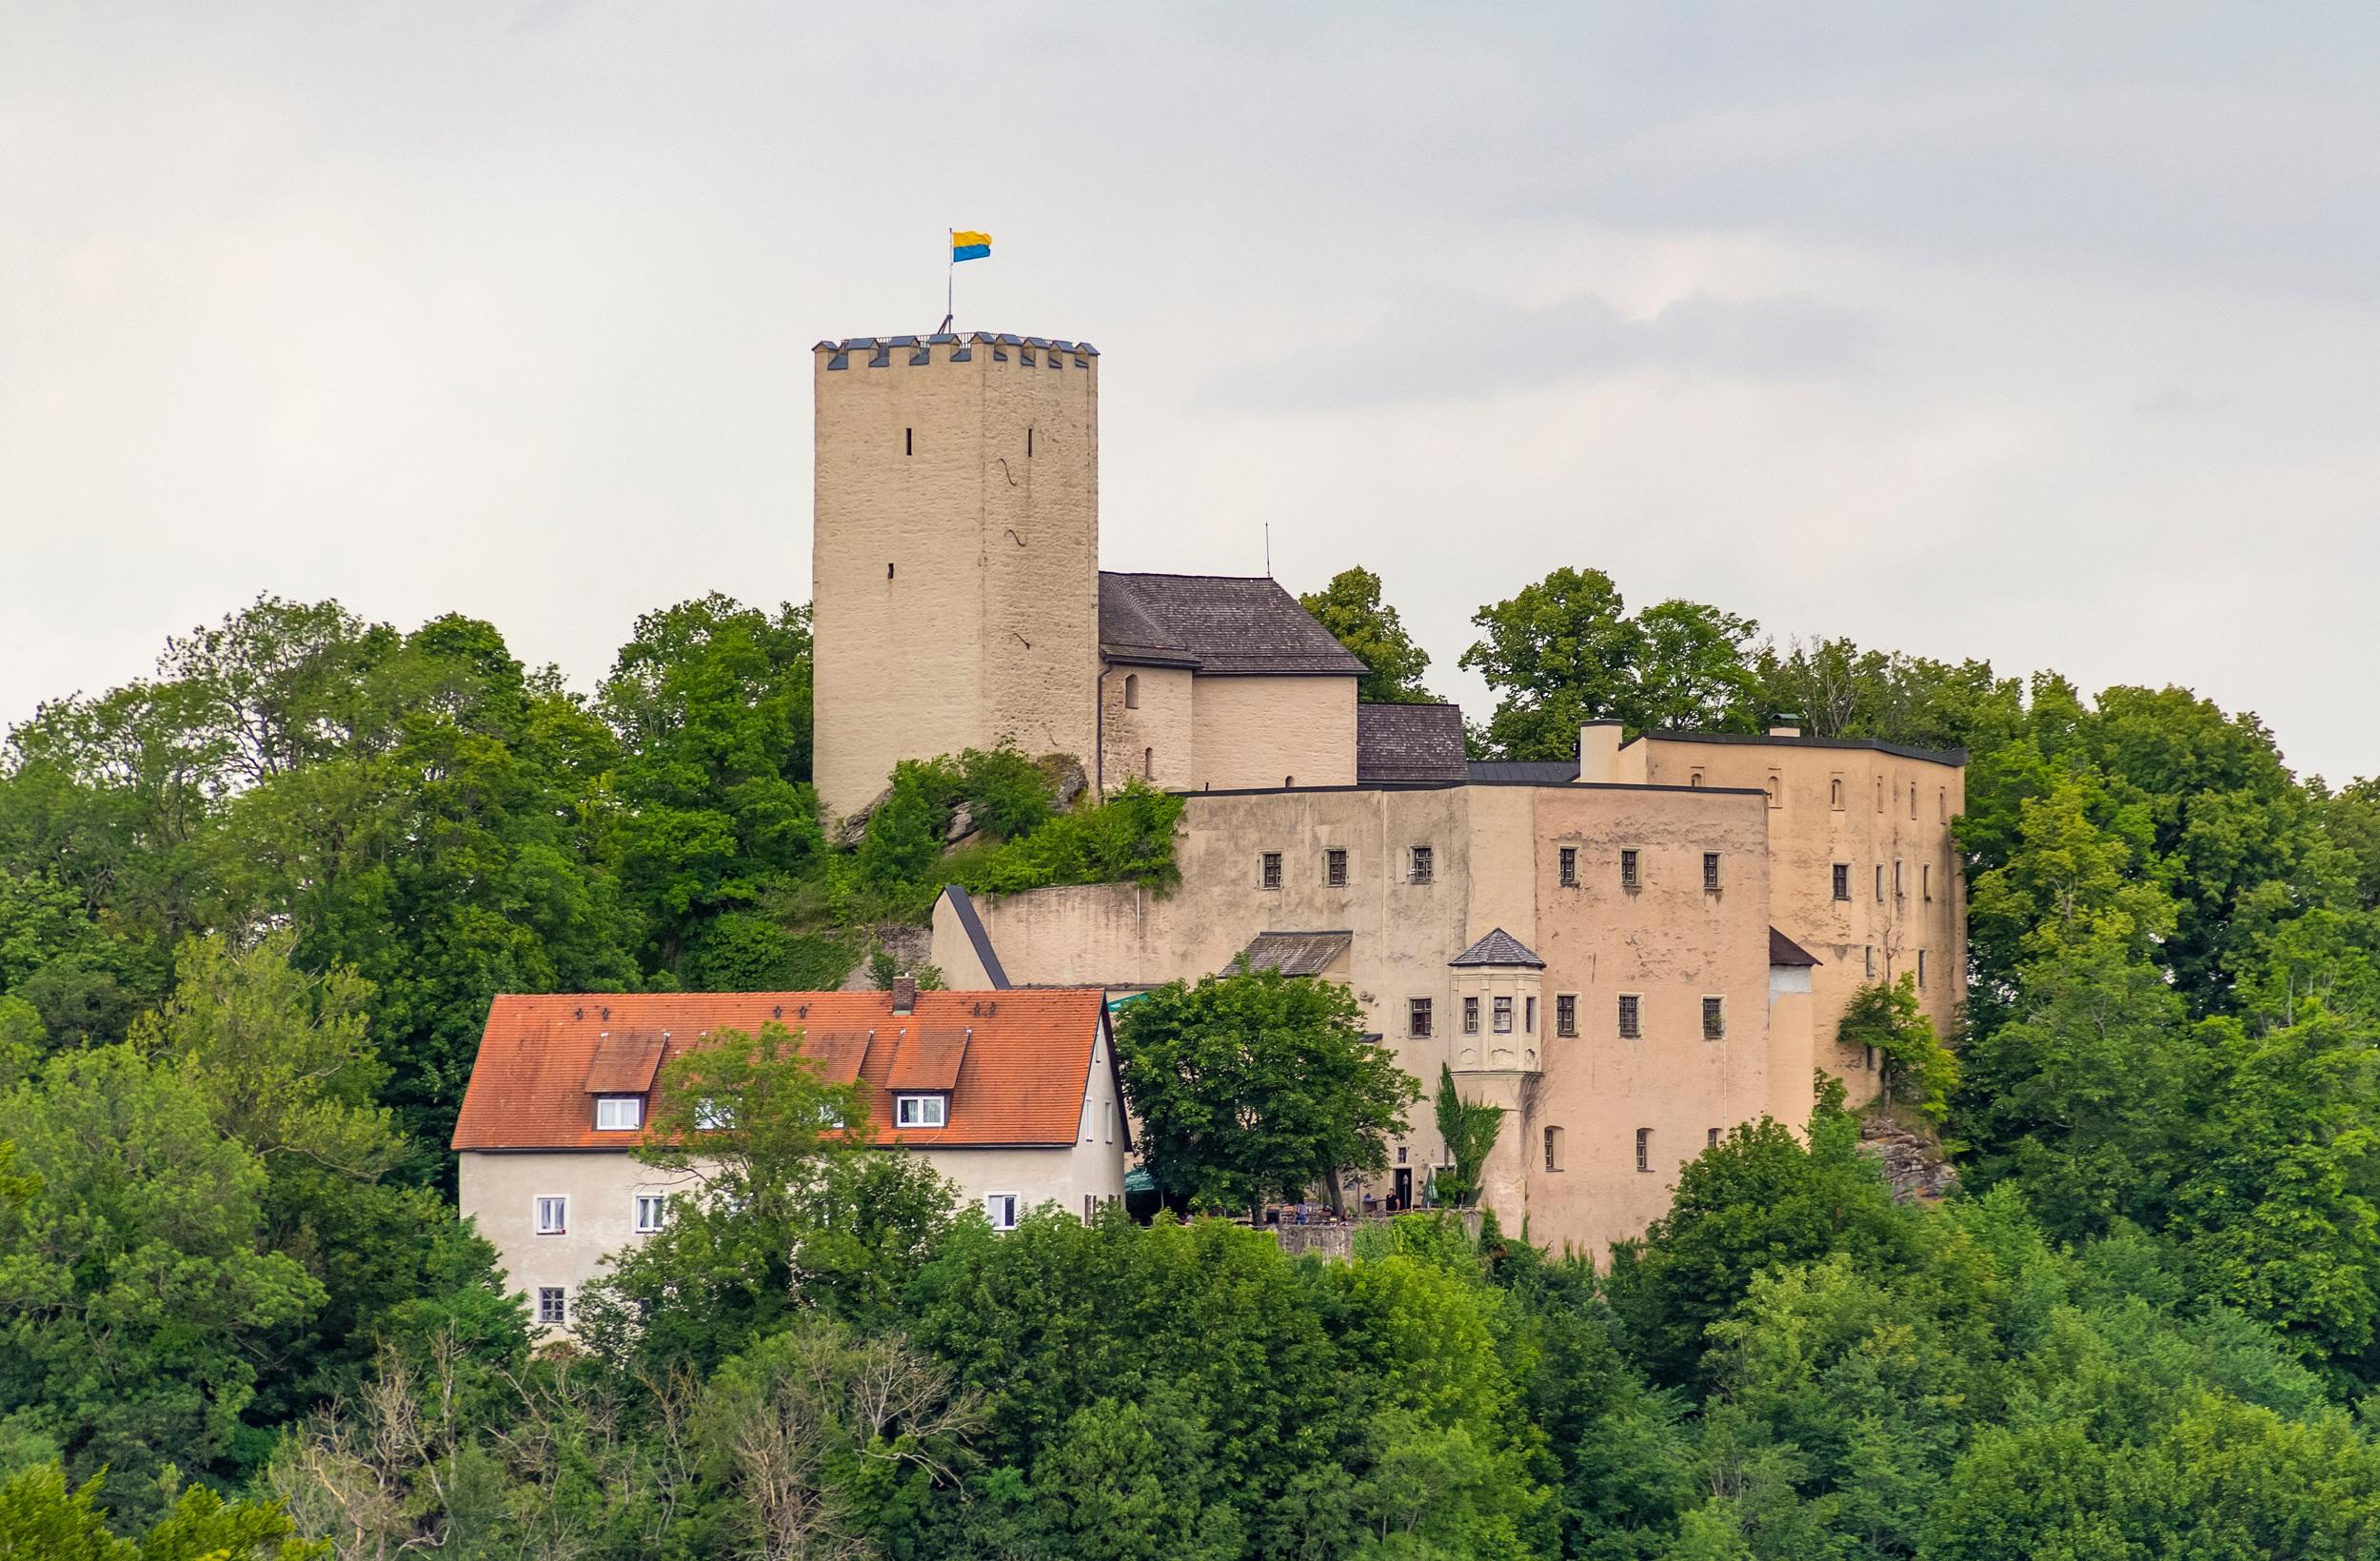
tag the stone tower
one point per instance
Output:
(954, 552)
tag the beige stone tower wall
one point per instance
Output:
(954, 554)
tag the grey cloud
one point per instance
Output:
(1462, 348)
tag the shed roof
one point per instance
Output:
(1297, 953)
(1784, 951)
(1217, 625)
(1014, 1062)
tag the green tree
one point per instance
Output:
(1919, 1069)
(136, 1295)
(1252, 1085)
(1565, 651)
(1469, 1129)
(1351, 608)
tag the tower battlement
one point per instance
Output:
(919, 351)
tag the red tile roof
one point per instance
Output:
(1016, 1063)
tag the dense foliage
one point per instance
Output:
(252, 910)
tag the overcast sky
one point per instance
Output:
(2043, 333)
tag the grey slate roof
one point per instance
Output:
(1784, 951)
(1217, 625)
(1497, 948)
(1522, 772)
(1297, 953)
(1409, 743)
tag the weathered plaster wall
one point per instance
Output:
(500, 1192)
(1153, 742)
(1263, 731)
(1853, 806)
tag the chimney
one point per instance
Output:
(905, 994)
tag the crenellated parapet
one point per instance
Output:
(944, 348)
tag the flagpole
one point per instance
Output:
(950, 282)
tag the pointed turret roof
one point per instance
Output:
(1497, 948)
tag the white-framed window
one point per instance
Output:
(1503, 1015)
(1001, 1208)
(552, 1309)
(830, 1115)
(1471, 1015)
(920, 1110)
(619, 1113)
(1107, 1121)
(652, 1212)
(553, 1216)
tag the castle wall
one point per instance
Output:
(954, 556)
(1495, 862)
(1853, 806)
(1259, 731)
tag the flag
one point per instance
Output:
(969, 246)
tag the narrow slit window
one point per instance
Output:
(1644, 1149)
(1835, 794)
(1553, 1148)
(1028, 444)
(1148, 763)
(1711, 872)
(908, 442)
(1921, 969)
(1528, 1015)
(1925, 880)
(1132, 691)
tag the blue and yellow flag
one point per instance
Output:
(969, 246)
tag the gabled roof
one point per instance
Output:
(1410, 742)
(1217, 625)
(1016, 1063)
(1497, 948)
(1297, 953)
(1784, 951)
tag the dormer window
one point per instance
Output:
(920, 1110)
(619, 1113)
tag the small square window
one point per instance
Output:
(1644, 1149)
(1471, 1015)
(1570, 866)
(1566, 1014)
(552, 1310)
(1628, 879)
(1842, 880)
(619, 1113)
(1272, 869)
(1713, 1019)
(920, 1110)
(1503, 1015)
(1335, 868)
(1417, 1015)
(1001, 1208)
(652, 1209)
(1421, 864)
(553, 1217)
(1711, 872)
(1630, 1005)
